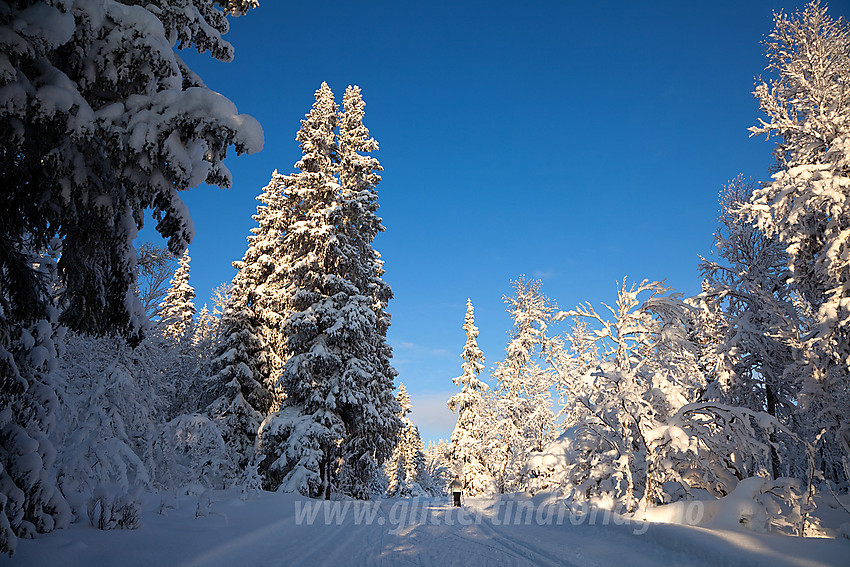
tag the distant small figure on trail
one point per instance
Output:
(456, 488)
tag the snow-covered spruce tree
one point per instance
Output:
(526, 421)
(30, 341)
(177, 310)
(753, 363)
(206, 331)
(339, 420)
(241, 397)
(188, 365)
(100, 119)
(467, 448)
(807, 204)
(263, 274)
(300, 442)
(394, 466)
(405, 468)
(415, 474)
(251, 349)
(369, 410)
(205, 342)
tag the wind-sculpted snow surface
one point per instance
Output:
(219, 528)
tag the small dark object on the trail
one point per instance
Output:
(456, 487)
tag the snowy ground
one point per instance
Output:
(282, 529)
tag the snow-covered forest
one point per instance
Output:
(117, 390)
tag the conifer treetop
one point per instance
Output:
(473, 358)
(177, 311)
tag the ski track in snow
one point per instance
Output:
(264, 533)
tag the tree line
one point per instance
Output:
(660, 397)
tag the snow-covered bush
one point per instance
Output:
(30, 499)
(756, 504)
(580, 465)
(112, 399)
(189, 451)
(111, 508)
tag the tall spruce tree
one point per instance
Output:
(466, 451)
(370, 409)
(248, 362)
(177, 311)
(338, 422)
(406, 467)
(300, 442)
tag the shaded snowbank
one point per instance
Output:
(756, 505)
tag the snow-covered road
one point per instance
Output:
(278, 529)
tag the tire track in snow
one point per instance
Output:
(446, 541)
(506, 549)
(536, 554)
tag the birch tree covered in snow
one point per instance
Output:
(100, 119)
(574, 360)
(807, 204)
(609, 454)
(753, 363)
(114, 396)
(156, 267)
(526, 420)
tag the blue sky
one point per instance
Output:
(576, 143)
